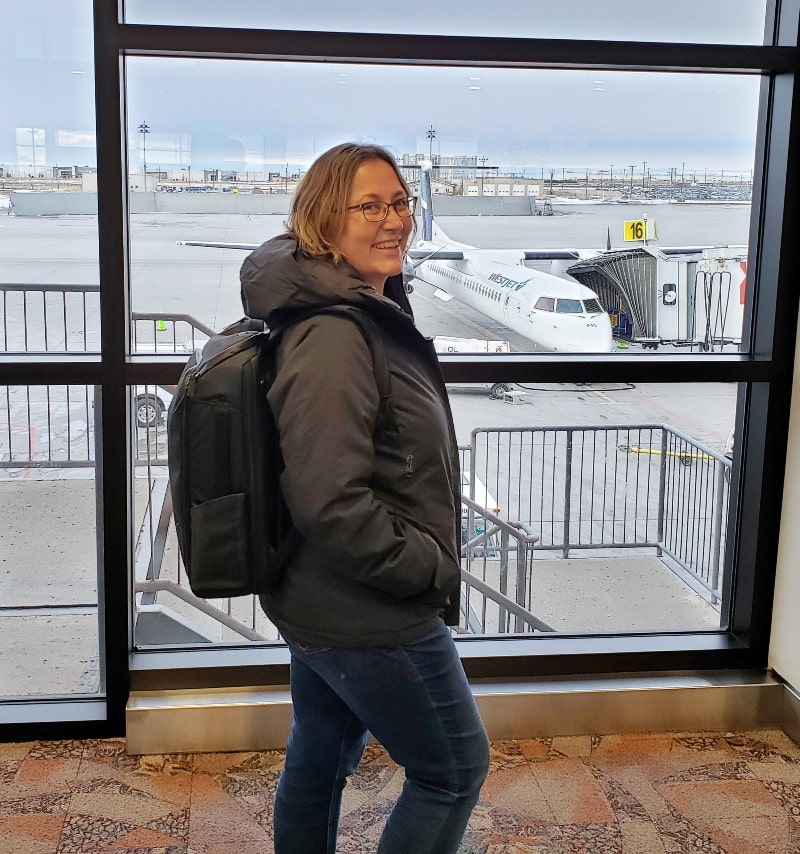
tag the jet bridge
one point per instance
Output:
(681, 296)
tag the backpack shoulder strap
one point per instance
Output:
(368, 329)
(374, 341)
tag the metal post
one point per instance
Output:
(503, 614)
(662, 481)
(717, 541)
(567, 495)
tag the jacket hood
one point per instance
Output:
(278, 276)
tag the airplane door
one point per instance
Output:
(512, 308)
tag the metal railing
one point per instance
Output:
(649, 488)
(61, 318)
(503, 585)
(646, 487)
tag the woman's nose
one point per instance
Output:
(393, 219)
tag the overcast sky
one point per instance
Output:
(242, 115)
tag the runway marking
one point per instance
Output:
(465, 320)
(607, 398)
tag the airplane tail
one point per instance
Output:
(426, 199)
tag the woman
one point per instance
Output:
(375, 494)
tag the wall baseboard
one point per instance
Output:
(790, 713)
(255, 718)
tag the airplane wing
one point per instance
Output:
(248, 246)
(428, 254)
(461, 255)
(551, 255)
(435, 254)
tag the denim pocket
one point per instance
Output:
(307, 648)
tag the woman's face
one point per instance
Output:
(374, 249)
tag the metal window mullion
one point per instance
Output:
(114, 453)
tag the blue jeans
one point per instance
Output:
(416, 701)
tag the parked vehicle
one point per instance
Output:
(447, 344)
(151, 404)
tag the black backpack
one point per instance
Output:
(234, 530)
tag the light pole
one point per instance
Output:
(33, 151)
(644, 172)
(483, 171)
(631, 168)
(144, 129)
(431, 135)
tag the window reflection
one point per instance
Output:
(586, 509)
(639, 238)
(50, 610)
(735, 21)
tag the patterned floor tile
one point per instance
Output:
(740, 815)
(572, 793)
(113, 770)
(652, 793)
(36, 832)
(14, 751)
(40, 776)
(220, 825)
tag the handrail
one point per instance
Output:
(508, 604)
(186, 595)
(35, 320)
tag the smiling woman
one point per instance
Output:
(369, 593)
(374, 235)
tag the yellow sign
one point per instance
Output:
(640, 229)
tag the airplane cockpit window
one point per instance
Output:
(545, 304)
(569, 306)
(592, 306)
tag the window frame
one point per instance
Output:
(764, 371)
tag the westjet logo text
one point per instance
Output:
(507, 283)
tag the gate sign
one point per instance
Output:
(640, 229)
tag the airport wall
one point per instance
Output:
(85, 204)
(784, 658)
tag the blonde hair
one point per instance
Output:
(318, 208)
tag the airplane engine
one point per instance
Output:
(409, 275)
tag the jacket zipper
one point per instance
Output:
(409, 465)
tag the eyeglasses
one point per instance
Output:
(378, 211)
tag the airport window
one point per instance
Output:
(620, 440)
(671, 221)
(52, 610)
(664, 445)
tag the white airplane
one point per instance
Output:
(556, 313)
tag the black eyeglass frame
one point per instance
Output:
(409, 201)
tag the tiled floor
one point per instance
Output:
(732, 793)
